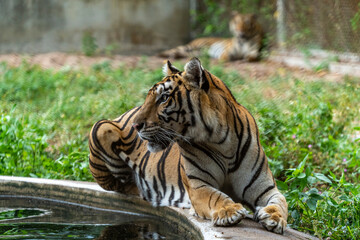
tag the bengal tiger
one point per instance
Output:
(245, 44)
(189, 145)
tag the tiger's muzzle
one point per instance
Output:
(157, 137)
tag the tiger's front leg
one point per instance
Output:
(273, 216)
(210, 203)
(270, 205)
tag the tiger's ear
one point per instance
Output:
(168, 69)
(194, 74)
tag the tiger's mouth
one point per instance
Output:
(158, 138)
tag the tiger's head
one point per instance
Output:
(244, 25)
(185, 106)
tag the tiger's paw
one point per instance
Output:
(271, 218)
(229, 215)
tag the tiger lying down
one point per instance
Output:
(245, 44)
(189, 145)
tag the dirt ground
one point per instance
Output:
(258, 70)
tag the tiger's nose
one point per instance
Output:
(138, 126)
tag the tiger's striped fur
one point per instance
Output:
(245, 44)
(194, 143)
(119, 161)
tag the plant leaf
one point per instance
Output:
(322, 177)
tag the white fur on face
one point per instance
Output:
(167, 85)
(159, 89)
(163, 87)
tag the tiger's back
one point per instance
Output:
(245, 44)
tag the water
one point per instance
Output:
(39, 218)
(131, 230)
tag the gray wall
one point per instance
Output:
(133, 26)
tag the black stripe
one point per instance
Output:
(149, 196)
(131, 115)
(201, 186)
(95, 139)
(98, 166)
(94, 153)
(140, 142)
(189, 101)
(179, 99)
(161, 168)
(134, 166)
(114, 163)
(244, 149)
(192, 177)
(239, 135)
(225, 137)
(122, 116)
(267, 202)
(212, 81)
(210, 197)
(263, 193)
(205, 85)
(180, 185)
(199, 168)
(255, 176)
(207, 128)
(99, 146)
(157, 192)
(217, 199)
(172, 194)
(229, 92)
(210, 155)
(143, 163)
(130, 134)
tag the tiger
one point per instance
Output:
(190, 145)
(245, 44)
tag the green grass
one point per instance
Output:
(307, 129)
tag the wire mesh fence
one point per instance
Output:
(332, 25)
(325, 24)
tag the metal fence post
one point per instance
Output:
(280, 23)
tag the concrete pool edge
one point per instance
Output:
(91, 194)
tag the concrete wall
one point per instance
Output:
(132, 26)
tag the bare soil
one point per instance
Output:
(257, 70)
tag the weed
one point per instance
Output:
(89, 45)
(308, 130)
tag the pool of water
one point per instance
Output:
(40, 218)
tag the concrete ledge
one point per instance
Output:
(351, 68)
(91, 194)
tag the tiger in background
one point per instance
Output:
(245, 44)
(189, 145)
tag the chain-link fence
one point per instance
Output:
(324, 24)
(299, 24)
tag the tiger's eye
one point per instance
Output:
(164, 97)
